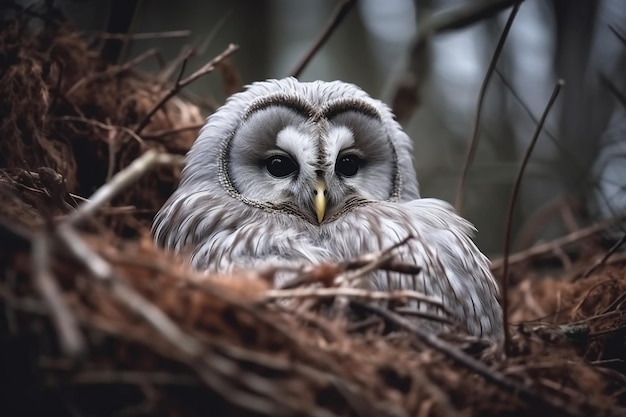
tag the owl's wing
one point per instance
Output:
(452, 268)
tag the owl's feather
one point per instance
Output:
(227, 213)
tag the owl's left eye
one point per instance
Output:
(280, 166)
(347, 165)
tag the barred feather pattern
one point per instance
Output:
(216, 219)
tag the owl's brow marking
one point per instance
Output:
(283, 100)
(343, 105)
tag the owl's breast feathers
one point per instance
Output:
(220, 237)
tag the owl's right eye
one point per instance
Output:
(280, 166)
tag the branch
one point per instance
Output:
(142, 36)
(511, 208)
(606, 256)
(551, 246)
(121, 180)
(340, 13)
(471, 151)
(71, 339)
(358, 293)
(181, 83)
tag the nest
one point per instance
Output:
(95, 320)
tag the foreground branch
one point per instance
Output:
(121, 180)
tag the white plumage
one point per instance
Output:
(300, 173)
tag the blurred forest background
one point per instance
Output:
(577, 171)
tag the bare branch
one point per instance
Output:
(121, 180)
(181, 83)
(340, 13)
(606, 256)
(71, 339)
(471, 150)
(511, 208)
(544, 248)
(142, 36)
(358, 293)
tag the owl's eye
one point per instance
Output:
(347, 165)
(280, 166)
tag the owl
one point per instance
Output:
(301, 173)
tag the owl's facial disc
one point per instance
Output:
(283, 158)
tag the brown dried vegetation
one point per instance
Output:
(123, 329)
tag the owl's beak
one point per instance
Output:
(320, 200)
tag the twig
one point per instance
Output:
(471, 150)
(132, 378)
(70, 338)
(158, 134)
(182, 58)
(511, 208)
(606, 256)
(122, 179)
(337, 271)
(550, 246)
(142, 36)
(340, 13)
(617, 33)
(98, 124)
(356, 293)
(181, 83)
(461, 358)
(370, 262)
(408, 311)
(215, 29)
(113, 70)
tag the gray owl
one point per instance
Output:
(304, 173)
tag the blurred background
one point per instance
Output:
(577, 171)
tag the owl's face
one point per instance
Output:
(285, 151)
(313, 150)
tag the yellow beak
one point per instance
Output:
(320, 200)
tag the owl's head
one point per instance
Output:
(304, 148)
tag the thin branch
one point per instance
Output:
(142, 36)
(547, 247)
(205, 69)
(181, 60)
(511, 208)
(356, 293)
(110, 376)
(70, 338)
(98, 124)
(121, 180)
(339, 15)
(158, 134)
(606, 256)
(112, 71)
(334, 273)
(471, 151)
